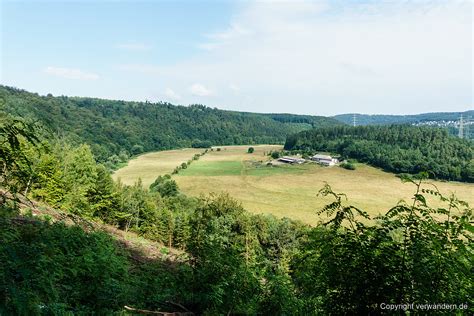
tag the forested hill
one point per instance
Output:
(379, 119)
(112, 126)
(395, 148)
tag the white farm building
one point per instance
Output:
(324, 160)
(291, 160)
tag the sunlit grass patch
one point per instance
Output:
(264, 170)
(212, 168)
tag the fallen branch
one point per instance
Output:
(147, 312)
(179, 305)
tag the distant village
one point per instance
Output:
(452, 123)
(463, 126)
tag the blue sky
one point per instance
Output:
(311, 57)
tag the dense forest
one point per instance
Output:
(395, 148)
(114, 128)
(233, 262)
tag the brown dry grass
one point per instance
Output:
(149, 166)
(292, 192)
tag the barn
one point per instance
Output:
(291, 160)
(324, 159)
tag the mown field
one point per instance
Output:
(285, 191)
(149, 166)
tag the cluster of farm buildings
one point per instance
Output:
(325, 160)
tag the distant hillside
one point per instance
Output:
(395, 148)
(446, 120)
(378, 119)
(111, 126)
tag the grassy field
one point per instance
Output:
(149, 166)
(285, 191)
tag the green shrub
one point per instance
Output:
(201, 144)
(55, 269)
(348, 166)
(165, 186)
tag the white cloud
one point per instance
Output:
(140, 68)
(70, 73)
(134, 46)
(235, 30)
(385, 57)
(235, 88)
(358, 69)
(198, 89)
(208, 46)
(171, 95)
(220, 39)
(327, 58)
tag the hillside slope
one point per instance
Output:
(381, 119)
(111, 126)
(445, 120)
(395, 148)
(139, 249)
(58, 263)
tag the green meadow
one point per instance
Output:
(282, 190)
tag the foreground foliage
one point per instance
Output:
(414, 253)
(52, 268)
(238, 263)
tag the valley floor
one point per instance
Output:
(285, 191)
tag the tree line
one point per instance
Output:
(117, 129)
(394, 148)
